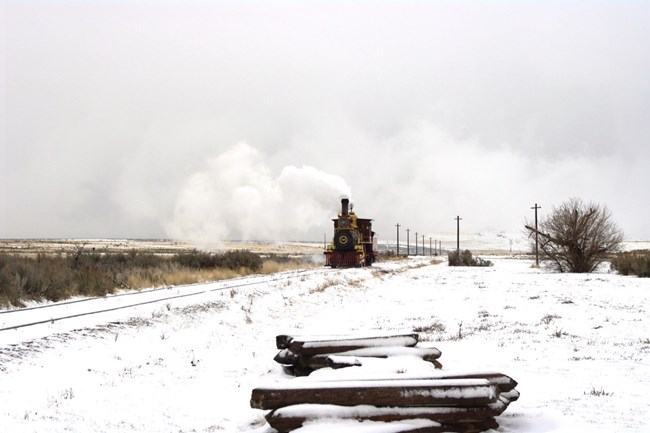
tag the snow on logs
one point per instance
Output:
(409, 393)
(438, 402)
(314, 346)
(303, 355)
(451, 419)
(456, 403)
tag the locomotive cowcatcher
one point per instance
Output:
(354, 241)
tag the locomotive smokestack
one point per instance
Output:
(344, 206)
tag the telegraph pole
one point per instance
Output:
(423, 253)
(458, 219)
(416, 243)
(536, 240)
(408, 247)
(397, 225)
(430, 250)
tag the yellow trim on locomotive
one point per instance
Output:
(353, 220)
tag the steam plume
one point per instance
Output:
(236, 197)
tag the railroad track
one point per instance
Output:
(143, 297)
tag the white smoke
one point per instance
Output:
(236, 197)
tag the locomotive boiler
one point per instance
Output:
(354, 243)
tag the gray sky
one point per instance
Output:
(209, 120)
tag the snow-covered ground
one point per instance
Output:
(579, 346)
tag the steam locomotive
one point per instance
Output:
(354, 242)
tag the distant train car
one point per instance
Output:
(354, 241)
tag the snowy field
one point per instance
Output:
(579, 346)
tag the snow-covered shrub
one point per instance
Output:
(465, 258)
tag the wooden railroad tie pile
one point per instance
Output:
(301, 356)
(441, 402)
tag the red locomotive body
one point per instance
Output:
(354, 241)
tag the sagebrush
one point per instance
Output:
(465, 258)
(632, 263)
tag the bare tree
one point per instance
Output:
(577, 237)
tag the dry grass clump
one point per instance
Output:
(175, 275)
(274, 264)
(388, 255)
(323, 285)
(435, 327)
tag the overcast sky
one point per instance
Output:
(209, 120)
